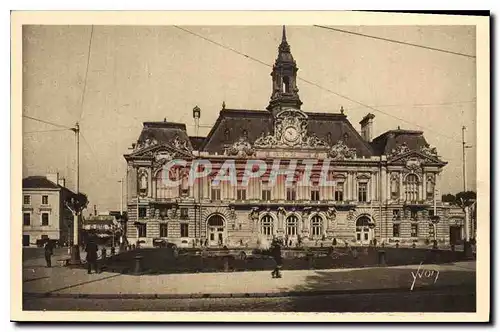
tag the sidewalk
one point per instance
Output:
(76, 283)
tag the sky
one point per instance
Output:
(139, 73)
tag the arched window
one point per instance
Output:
(266, 225)
(216, 221)
(286, 84)
(317, 226)
(291, 225)
(411, 190)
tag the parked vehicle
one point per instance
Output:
(162, 243)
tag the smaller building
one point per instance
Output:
(105, 226)
(45, 215)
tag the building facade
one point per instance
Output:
(382, 188)
(45, 215)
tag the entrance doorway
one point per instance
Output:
(364, 233)
(26, 240)
(455, 234)
(215, 226)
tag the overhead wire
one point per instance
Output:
(396, 41)
(46, 122)
(86, 73)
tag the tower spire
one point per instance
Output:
(284, 74)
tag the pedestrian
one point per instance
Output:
(276, 253)
(48, 253)
(91, 250)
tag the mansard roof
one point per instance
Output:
(163, 132)
(234, 123)
(386, 142)
(197, 141)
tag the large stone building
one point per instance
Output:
(382, 188)
(45, 215)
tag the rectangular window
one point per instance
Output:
(215, 194)
(396, 214)
(163, 230)
(142, 212)
(266, 195)
(291, 194)
(45, 199)
(45, 219)
(362, 190)
(431, 213)
(184, 230)
(26, 219)
(315, 195)
(27, 199)
(339, 192)
(414, 230)
(241, 194)
(431, 230)
(141, 230)
(184, 213)
(44, 237)
(395, 230)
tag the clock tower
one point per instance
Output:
(285, 93)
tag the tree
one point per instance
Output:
(448, 198)
(466, 198)
(77, 203)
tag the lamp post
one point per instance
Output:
(75, 248)
(435, 220)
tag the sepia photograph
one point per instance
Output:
(239, 164)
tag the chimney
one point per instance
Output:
(62, 182)
(53, 177)
(367, 127)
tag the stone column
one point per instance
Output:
(401, 188)
(281, 215)
(424, 186)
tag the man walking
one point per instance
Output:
(276, 253)
(48, 253)
(91, 250)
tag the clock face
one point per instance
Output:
(291, 134)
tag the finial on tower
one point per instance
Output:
(223, 105)
(283, 38)
(341, 109)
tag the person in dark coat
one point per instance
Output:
(276, 254)
(91, 250)
(48, 253)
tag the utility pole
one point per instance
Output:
(463, 159)
(121, 196)
(75, 249)
(467, 223)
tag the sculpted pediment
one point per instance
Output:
(414, 159)
(160, 152)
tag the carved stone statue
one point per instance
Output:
(331, 213)
(399, 150)
(241, 148)
(180, 144)
(340, 151)
(428, 150)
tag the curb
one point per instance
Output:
(469, 287)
